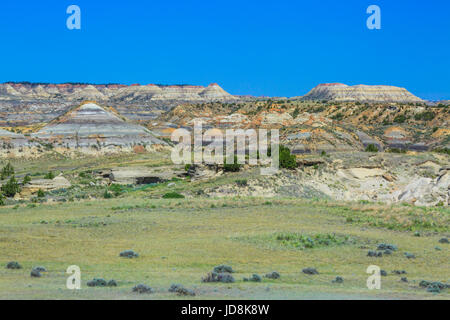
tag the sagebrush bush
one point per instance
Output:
(173, 195)
(223, 268)
(218, 277)
(371, 148)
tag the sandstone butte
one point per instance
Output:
(361, 93)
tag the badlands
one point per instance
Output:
(87, 178)
(370, 143)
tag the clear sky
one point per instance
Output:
(258, 47)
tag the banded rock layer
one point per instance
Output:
(339, 92)
(90, 125)
(8, 138)
(114, 93)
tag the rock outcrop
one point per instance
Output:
(34, 186)
(93, 126)
(113, 93)
(11, 139)
(361, 93)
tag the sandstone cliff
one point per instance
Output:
(113, 93)
(361, 93)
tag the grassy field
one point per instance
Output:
(181, 240)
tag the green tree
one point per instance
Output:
(49, 175)
(400, 118)
(425, 116)
(26, 179)
(287, 160)
(40, 193)
(232, 167)
(371, 148)
(7, 171)
(10, 188)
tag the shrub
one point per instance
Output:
(50, 175)
(295, 113)
(273, 275)
(116, 189)
(173, 195)
(234, 167)
(128, 254)
(97, 282)
(400, 118)
(85, 174)
(180, 290)
(396, 150)
(287, 160)
(425, 116)
(2, 199)
(442, 150)
(223, 268)
(7, 171)
(40, 193)
(371, 148)
(13, 265)
(26, 179)
(241, 182)
(107, 195)
(301, 241)
(174, 287)
(10, 188)
(142, 288)
(218, 277)
(254, 278)
(338, 116)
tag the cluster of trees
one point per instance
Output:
(287, 160)
(12, 186)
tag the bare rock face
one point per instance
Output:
(141, 175)
(92, 125)
(34, 186)
(426, 191)
(113, 93)
(10, 139)
(362, 93)
(215, 92)
(5, 134)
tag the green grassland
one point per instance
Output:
(181, 240)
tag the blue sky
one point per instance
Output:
(272, 48)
